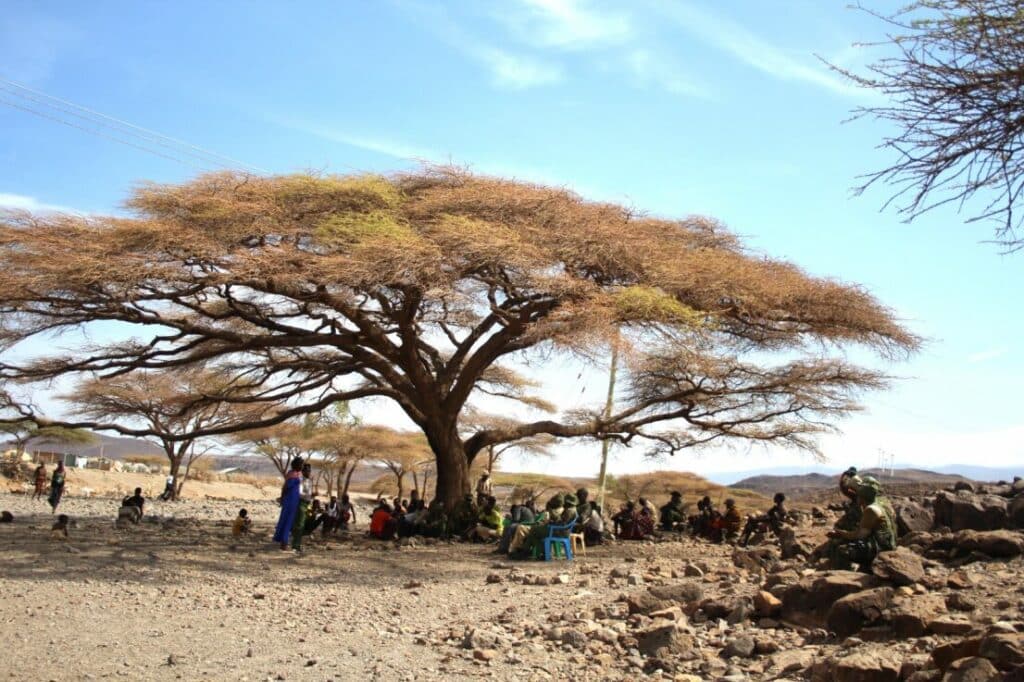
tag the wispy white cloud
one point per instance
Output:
(21, 202)
(513, 71)
(568, 24)
(744, 45)
(986, 355)
(650, 69)
(384, 145)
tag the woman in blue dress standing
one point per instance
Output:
(290, 494)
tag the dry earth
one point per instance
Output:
(178, 598)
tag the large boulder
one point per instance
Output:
(965, 510)
(1005, 650)
(912, 517)
(945, 654)
(664, 640)
(911, 615)
(808, 602)
(998, 544)
(858, 610)
(1015, 511)
(680, 592)
(869, 664)
(972, 670)
(900, 566)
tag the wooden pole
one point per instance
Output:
(608, 406)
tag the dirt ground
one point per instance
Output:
(182, 599)
(96, 482)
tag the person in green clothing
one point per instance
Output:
(305, 498)
(671, 516)
(537, 533)
(849, 483)
(463, 517)
(876, 533)
(583, 506)
(489, 522)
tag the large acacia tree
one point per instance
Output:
(424, 288)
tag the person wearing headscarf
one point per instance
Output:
(291, 493)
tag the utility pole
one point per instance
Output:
(608, 406)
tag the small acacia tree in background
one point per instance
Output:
(425, 288)
(280, 443)
(955, 93)
(21, 433)
(165, 404)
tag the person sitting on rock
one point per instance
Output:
(849, 483)
(489, 521)
(382, 523)
(60, 527)
(131, 508)
(875, 533)
(671, 515)
(732, 521)
(772, 520)
(881, 499)
(242, 523)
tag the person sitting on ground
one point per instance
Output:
(593, 527)
(700, 524)
(643, 524)
(623, 521)
(329, 522)
(643, 502)
(876, 533)
(772, 520)
(489, 521)
(732, 521)
(131, 508)
(463, 517)
(397, 507)
(416, 503)
(40, 482)
(60, 527)
(242, 523)
(849, 483)
(168, 492)
(484, 489)
(314, 516)
(434, 523)
(346, 513)
(671, 515)
(382, 523)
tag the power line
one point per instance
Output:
(143, 136)
(98, 133)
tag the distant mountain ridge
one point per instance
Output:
(968, 471)
(111, 447)
(798, 485)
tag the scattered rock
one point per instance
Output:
(1005, 650)
(1001, 544)
(912, 517)
(911, 616)
(665, 640)
(485, 654)
(767, 604)
(860, 609)
(972, 670)
(494, 578)
(965, 510)
(739, 647)
(869, 664)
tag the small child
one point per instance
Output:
(60, 527)
(242, 524)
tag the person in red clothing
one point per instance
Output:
(382, 523)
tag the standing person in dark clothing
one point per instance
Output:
(56, 487)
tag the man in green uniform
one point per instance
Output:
(875, 533)
(849, 483)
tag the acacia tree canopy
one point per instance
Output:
(423, 288)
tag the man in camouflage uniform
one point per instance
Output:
(875, 533)
(849, 483)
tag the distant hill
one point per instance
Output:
(110, 447)
(803, 485)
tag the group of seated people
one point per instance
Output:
(331, 517)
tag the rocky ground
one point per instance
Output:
(178, 598)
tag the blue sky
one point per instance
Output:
(677, 108)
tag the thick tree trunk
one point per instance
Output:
(179, 480)
(452, 466)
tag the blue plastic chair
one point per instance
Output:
(556, 541)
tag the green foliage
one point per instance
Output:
(358, 228)
(648, 303)
(360, 192)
